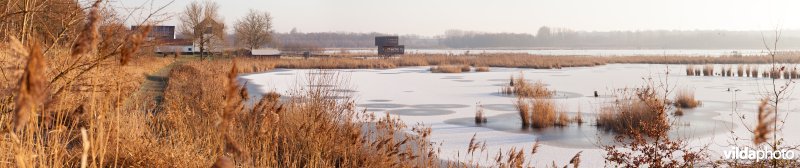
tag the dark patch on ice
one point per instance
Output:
(463, 80)
(439, 106)
(382, 105)
(500, 107)
(408, 91)
(375, 110)
(379, 100)
(421, 112)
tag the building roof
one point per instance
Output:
(265, 51)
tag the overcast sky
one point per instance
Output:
(433, 17)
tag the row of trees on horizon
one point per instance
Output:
(554, 38)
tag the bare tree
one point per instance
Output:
(254, 30)
(202, 23)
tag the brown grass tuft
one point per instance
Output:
(521, 88)
(482, 69)
(740, 70)
(764, 121)
(708, 70)
(684, 98)
(448, 69)
(576, 160)
(543, 113)
(524, 112)
(637, 112)
(32, 85)
(87, 40)
(479, 116)
(134, 42)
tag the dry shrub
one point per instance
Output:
(740, 70)
(678, 112)
(684, 98)
(635, 111)
(640, 120)
(563, 119)
(466, 68)
(764, 123)
(543, 113)
(708, 70)
(448, 69)
(311, 128)
(578, 118)
(524, 110)
(690, 70)
(479, 116)
(482, 69)
(540, 113)
(753, 71)
(521, 88)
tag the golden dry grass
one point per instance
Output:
(522, 88)
(482, 69)
(450, 69)
(634, 112)
(684, 98)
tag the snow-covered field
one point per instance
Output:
(447, 103)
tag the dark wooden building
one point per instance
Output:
(389, 45)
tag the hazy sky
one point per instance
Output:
(433, 17)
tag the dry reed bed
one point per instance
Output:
(309, 129)
(535, 106)
(636, 111)
(500, 60)
(520, 87)
(451, 69)
(784, 71)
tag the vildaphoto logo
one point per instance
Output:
(765, 153)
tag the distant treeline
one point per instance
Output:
(555, 38)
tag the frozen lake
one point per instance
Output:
(579, 52)
(447, 103)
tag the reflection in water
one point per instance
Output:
(382, 105)
(695, 123)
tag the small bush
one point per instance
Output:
(447, 69)
(708, 70)
(482, 69)
(543, 113)
(640, 111)
(521, 88)
(684, 98)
